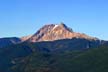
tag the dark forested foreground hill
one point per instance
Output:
(56, 56)
(92, 60)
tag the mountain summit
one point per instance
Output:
(53, 32)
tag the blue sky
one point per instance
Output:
(24, 17)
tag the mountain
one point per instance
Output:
(9, 41)
(53, 32)
(53, 48)
(12, 40)
(49, 32)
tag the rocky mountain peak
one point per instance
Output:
(62, 26)
(53, 32)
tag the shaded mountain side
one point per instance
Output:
(105, 43)
(92, 60)
(9, 41)
(68, 44)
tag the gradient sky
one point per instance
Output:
(24, 17)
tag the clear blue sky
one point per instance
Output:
(24, 17)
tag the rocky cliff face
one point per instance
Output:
(53, 32)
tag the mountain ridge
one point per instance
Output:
(50, 32)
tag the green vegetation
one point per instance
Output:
(56, 56)
(92, 60)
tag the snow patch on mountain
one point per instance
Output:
(55, 26)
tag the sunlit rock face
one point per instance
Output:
(53, 32)
(24, 38)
